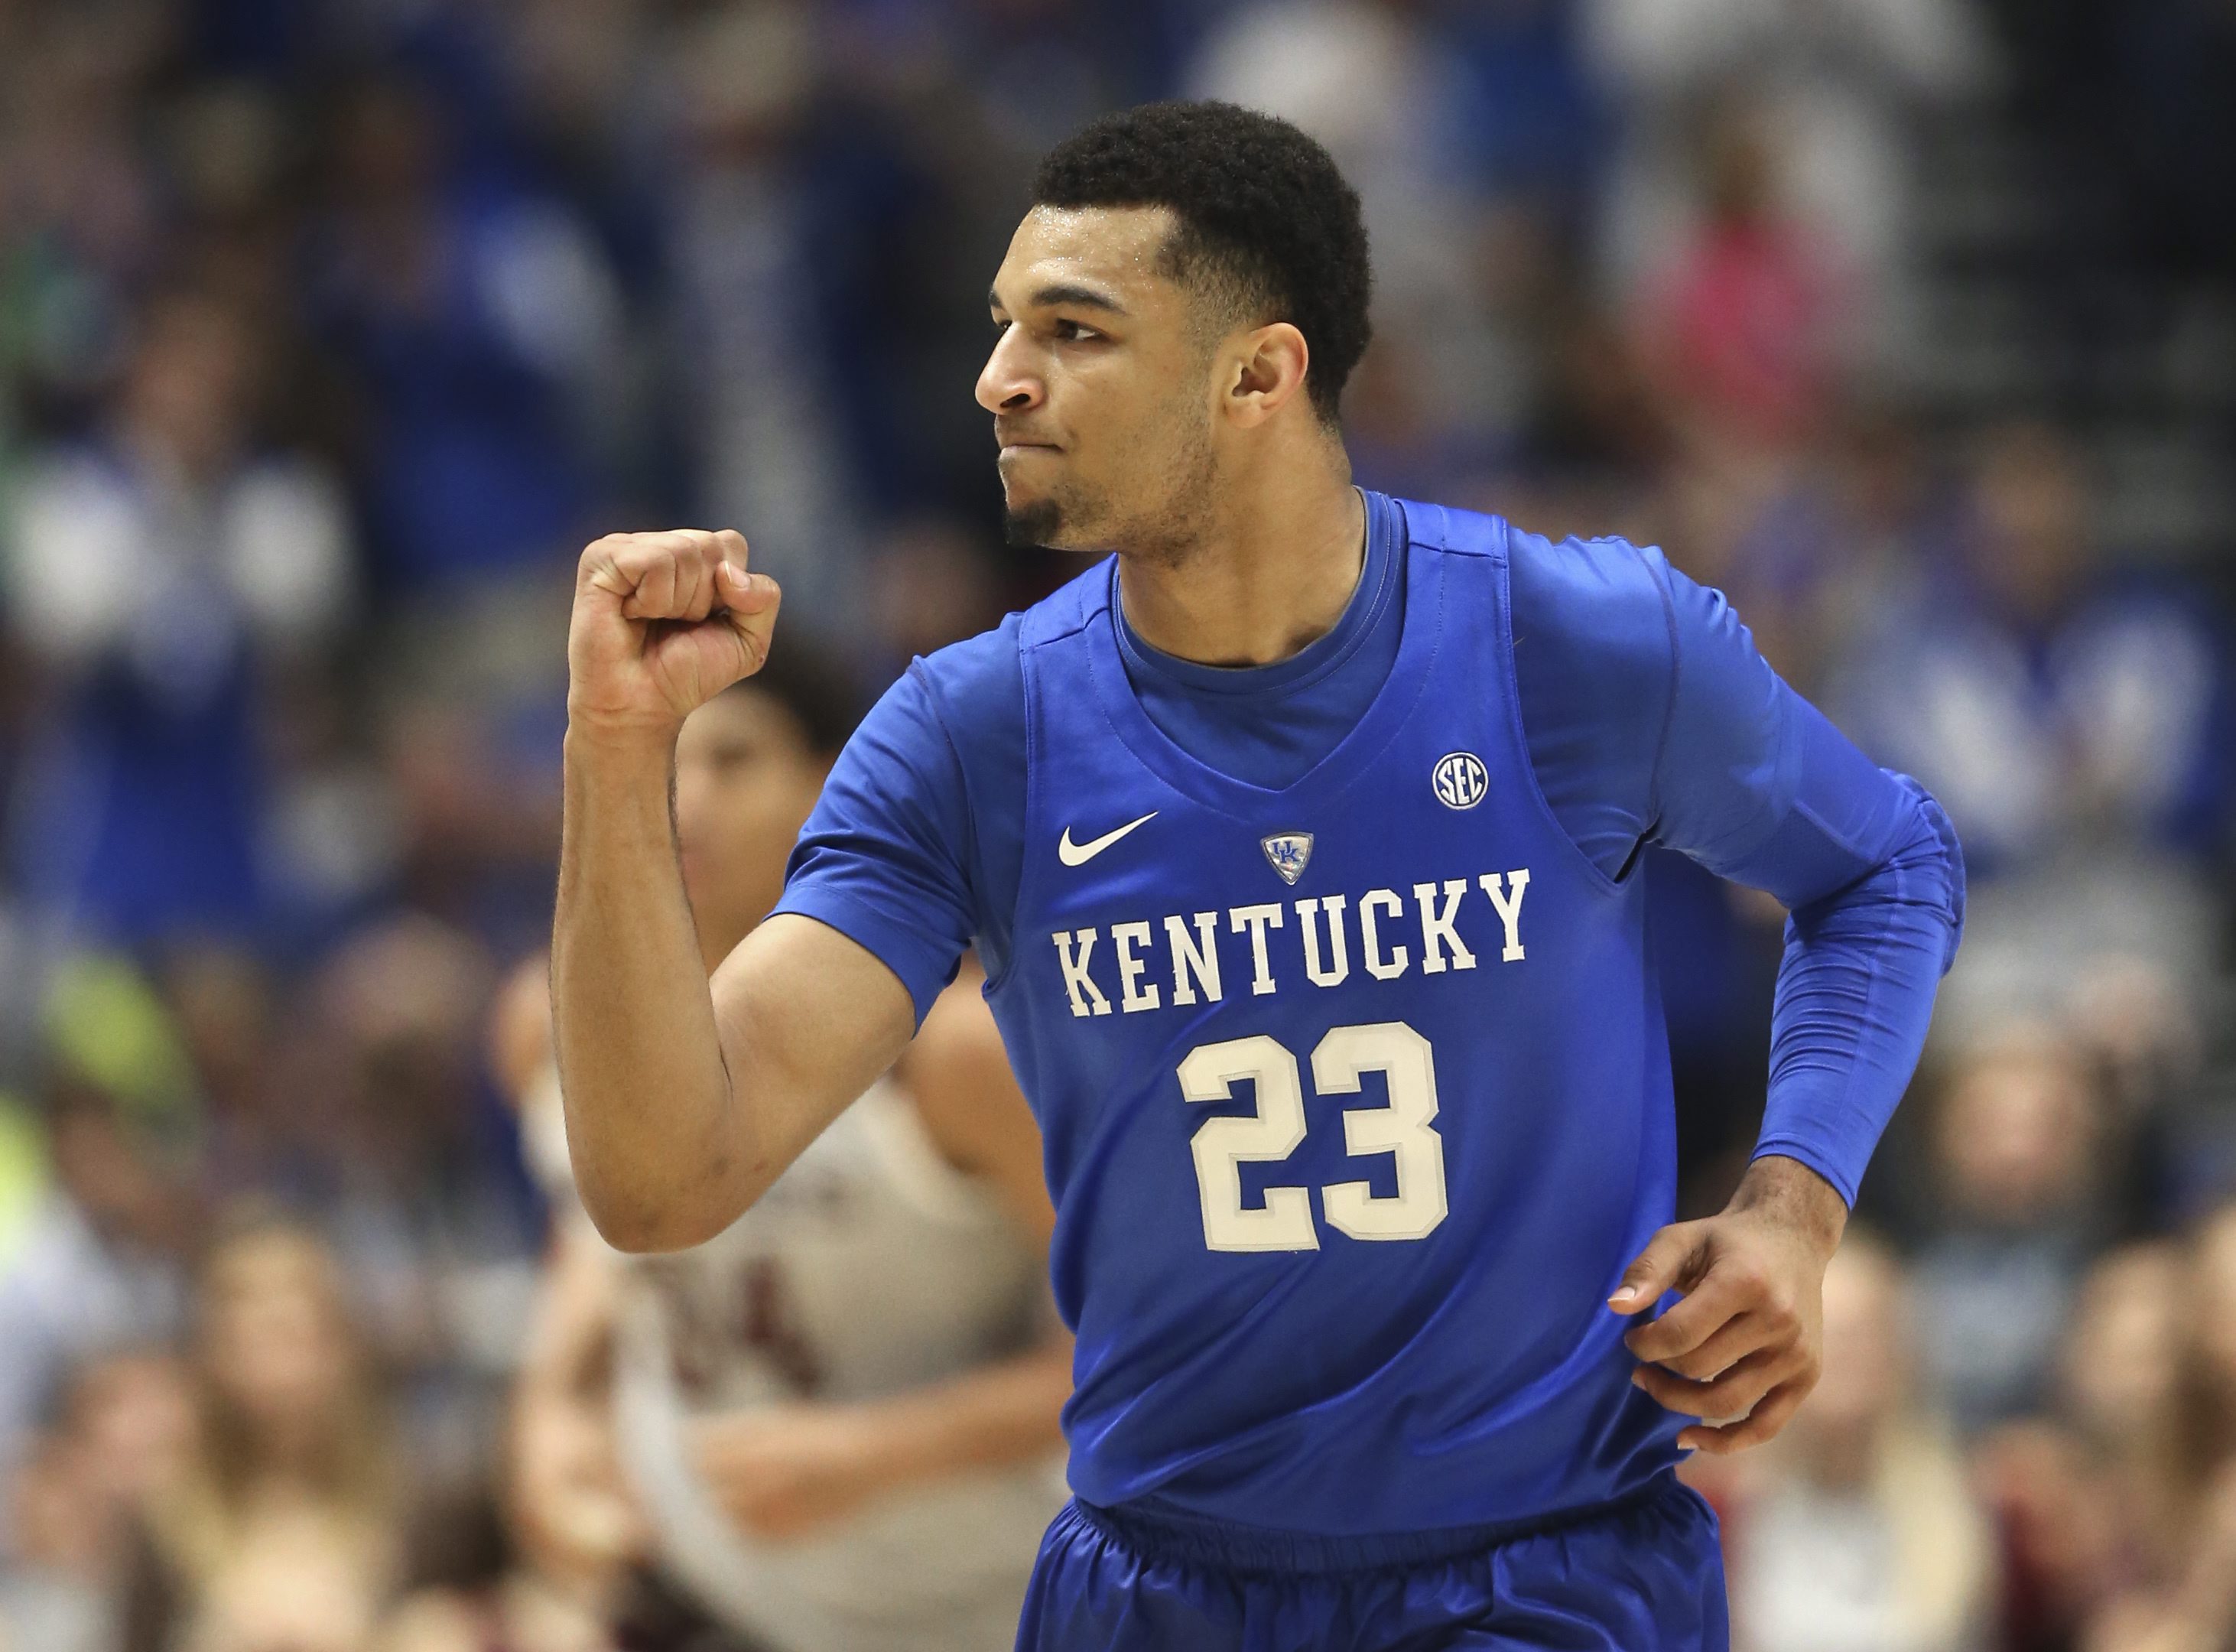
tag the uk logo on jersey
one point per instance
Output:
(1287, 851)
(1460, 780)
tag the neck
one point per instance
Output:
(1265, 581)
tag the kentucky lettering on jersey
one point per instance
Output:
(1320, 954)
(1351, 1070)
(1353, 1092)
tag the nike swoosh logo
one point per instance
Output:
(1078, 854)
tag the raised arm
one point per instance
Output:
(684, 1099)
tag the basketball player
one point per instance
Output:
(1299, 838)
(838, 1415)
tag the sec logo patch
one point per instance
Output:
(1460, 780)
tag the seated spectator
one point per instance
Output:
(557, 1569)
(1857, 1531)
(120, 1439)
(2087, 1497)
(284, 1532)
(82, 221)
(2060, 1539)
(1843, 82)
(2122, 1392)
(56, 1592)
(1834, 550)
(438, 1245)
(2182, 1595)
(2074, 717)
(161, 574)
(1744, 326)
(475, 316)
(2054, 703)
(768, 307)
(2016, 1154)
(102, 1264)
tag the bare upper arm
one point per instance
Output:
(808, 1019)
(959, 1074)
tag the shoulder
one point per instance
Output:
(1602, 606)
(56, 1260)
(974, 679)
(1606, 598)
(1068, 609)
(1574, 573)
(973, 693)
(940, 761)
(976, 687)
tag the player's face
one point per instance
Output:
(745, 781)
(1100, 383)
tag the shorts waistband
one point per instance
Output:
(1156, 1532)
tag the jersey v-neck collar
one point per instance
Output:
(1115, 649)
(1380, 569)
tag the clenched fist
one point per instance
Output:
(662, 624)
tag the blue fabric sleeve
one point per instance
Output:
(1754, 783)
(1593, 669)
(887, 856)
(917, 844)
(1651, 717)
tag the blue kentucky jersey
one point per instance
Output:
(1355, 1092)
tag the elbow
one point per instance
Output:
(1914, 891)
(1934, 844)
(652, 1186)
(636, 1230)
(642, 1225)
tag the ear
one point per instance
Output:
(1267, 372)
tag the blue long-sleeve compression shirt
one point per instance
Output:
(1648, 717)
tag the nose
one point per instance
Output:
(1006, 383)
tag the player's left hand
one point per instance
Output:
(1746, 1345)
(784, 1471)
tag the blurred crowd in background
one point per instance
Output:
(330, 330)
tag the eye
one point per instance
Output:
(1070, 331)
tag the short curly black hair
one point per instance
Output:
(1267, 220)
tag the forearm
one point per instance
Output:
(1855, 994)
(990, 1418)
(650, 1121)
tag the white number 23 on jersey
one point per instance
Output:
(1405, 1128)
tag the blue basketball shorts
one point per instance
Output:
(1642, 1574)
